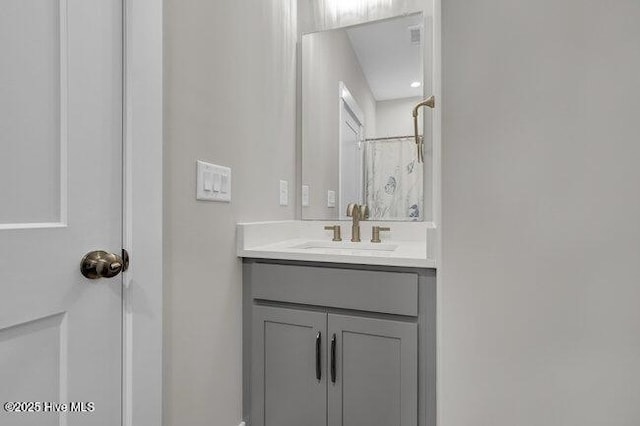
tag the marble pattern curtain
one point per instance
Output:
(393, 180)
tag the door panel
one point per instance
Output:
(60, 197)
(350, 160)
(30, 110)
(286, 391)
(376, 372)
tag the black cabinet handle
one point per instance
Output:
(318, 356)
(333, 358)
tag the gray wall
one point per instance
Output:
(230, 99)
(328, 58)
(541, 209)
(393, 117)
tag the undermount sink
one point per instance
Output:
(344, 245)
(306, 241)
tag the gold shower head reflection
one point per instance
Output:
(431, 103)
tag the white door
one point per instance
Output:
(60, 197)
(350, 160)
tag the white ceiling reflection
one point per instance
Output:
(389, 59)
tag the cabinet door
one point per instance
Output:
(375, 379)
(288, 367)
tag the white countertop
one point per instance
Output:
(413, 243)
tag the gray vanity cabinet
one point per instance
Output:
(286, 343)
(336, 345)
(376, 377)
(369, 365)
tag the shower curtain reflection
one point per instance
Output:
(393, 180)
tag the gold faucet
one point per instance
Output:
(375, 233)
(358, 212)
(336, 232)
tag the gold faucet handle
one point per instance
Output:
(375, 233)
(364, 211)
(361, 210)
(350, 208)
(336, 232)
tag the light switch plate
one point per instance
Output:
(284, 193)
(305, 195)
(331, 199)
(208, 181)
(213, 182)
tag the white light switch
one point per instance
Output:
(284, 193)
(305, 195)
(208, 181)
(213, 182)
(224, 187)
(331, 199)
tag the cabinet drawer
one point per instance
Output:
(375, 291)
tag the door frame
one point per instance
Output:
(142, 212)
(346, 100)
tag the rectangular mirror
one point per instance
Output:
(359, 87)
